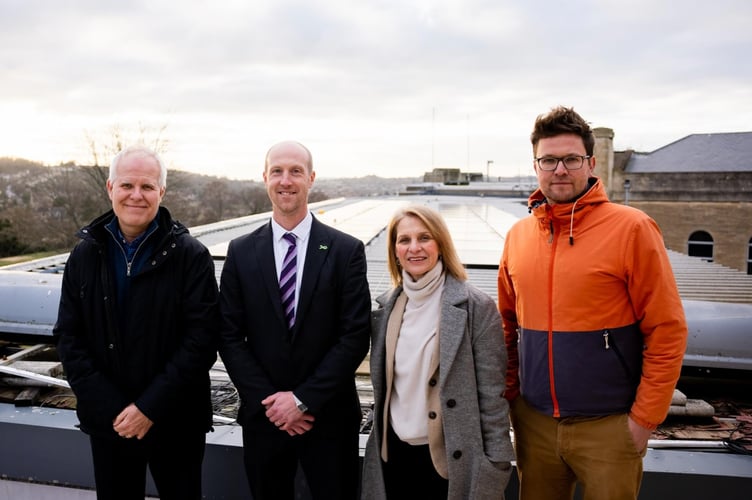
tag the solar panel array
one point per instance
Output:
(477, 224)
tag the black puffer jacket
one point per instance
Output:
(160, 361)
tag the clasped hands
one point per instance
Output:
(132, 423)
(282, 411)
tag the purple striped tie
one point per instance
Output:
(287, 280)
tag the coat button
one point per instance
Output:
(111, 346)
(451, 403)
(432, 415)
(456, 454)
(164, 252)
(432, 382)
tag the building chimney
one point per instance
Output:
(604, 155)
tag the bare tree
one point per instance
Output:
(253, 199)
(117, 139)
(63, 204)
(214, 198)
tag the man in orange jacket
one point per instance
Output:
(593, 323)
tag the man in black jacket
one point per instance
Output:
(135, 336)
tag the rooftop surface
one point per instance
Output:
(717, 299)
(723, 152)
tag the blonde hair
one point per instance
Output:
(435, 224)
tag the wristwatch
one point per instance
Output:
(301, 406)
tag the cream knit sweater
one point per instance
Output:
(408, 408)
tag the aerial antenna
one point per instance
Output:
(433, 135)
(467, 131)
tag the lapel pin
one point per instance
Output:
(323, 247)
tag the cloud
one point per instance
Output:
(380, 87)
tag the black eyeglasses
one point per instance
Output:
(571, 162)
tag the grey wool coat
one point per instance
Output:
(475, 415)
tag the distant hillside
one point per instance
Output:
(41, 207)
(369, 185)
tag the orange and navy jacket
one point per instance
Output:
(593, 321)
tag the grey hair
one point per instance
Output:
(139, 150)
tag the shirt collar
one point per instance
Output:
(301, 231)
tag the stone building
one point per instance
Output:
(452, 176)
(698, 189)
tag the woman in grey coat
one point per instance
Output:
(440, 422)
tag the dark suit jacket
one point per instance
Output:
(318, 358)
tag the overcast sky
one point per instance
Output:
(385, 87)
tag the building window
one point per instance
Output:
(700, 245)
(749, 257)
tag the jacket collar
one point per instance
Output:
(95, 230)
(593, 194)
(570, 212)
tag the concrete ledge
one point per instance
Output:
(44, 446)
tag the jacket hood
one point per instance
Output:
(544, 212)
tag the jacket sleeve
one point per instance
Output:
(658, 307)
(93, 389)
(245, 371)
(353, 321)
(508, 309)
(196, 351)
(490, 367)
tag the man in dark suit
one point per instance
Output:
(293, 361)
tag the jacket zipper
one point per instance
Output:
(552, 385)
(615, 347)
(129, 263)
